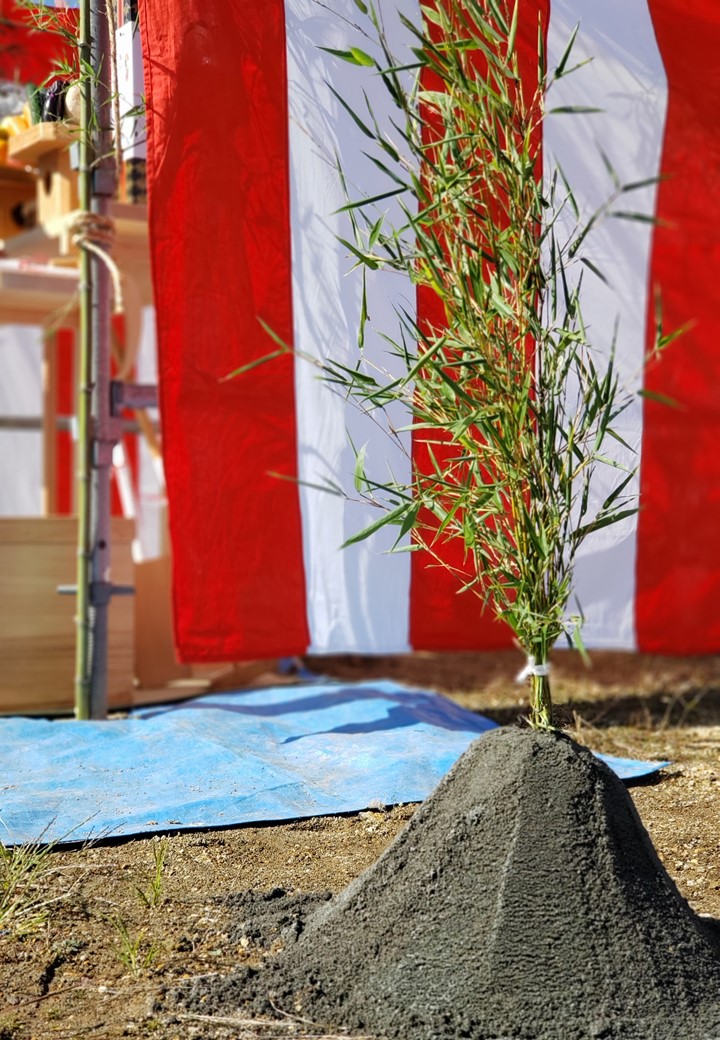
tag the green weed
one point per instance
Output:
(152, 894)
(24, 903)
(136, 952)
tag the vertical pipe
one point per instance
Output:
(103, 188)
(84, 420)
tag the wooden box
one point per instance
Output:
(17, 186)
(46, 148)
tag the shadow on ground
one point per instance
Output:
(619, 689)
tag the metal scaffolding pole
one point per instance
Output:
(96, 424)
(103, 189)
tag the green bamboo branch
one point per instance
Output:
(510, 395)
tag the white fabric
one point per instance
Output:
(357, 599)
(21, 463)
(626, 80)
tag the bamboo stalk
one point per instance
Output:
(84, 403)
(541, 709)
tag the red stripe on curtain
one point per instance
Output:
(220, 240)
(678, 565)
(442, 618)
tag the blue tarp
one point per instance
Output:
(277, 753)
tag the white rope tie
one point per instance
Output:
(96, 233)
(531, 668)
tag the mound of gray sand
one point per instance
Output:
(524, 900)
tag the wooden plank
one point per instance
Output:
(37, 628)
(177, 690)
(32, 295)
(51, 530)
(38, 141)
(155, 662)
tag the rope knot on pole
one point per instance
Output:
(93, 228)
(95, 232)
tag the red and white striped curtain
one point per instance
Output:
(244, 129)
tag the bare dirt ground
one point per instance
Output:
(130, 918)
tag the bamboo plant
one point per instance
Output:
(515, 403)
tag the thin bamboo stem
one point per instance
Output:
(84, 403)
(541, 710)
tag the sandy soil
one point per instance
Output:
(97, 964)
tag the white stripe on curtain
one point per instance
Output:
(626, 80)
(358, 598)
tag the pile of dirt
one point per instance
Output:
(264, 919)
(524, 900)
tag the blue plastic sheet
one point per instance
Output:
(277, 753)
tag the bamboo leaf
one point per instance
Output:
(595, 270)
(642, 218)
(361, 57)
(615, 494)
(610, 169)
(573, 110)
(286, 348)
(579, 645)
(364, 258)
(648, 182)
(253, 364)
(363, 312)
(354, 56)
(565, 56)
(359, 472)
(352, 113)
(600, 522)
(370, 200)
(391, 517)
(654, 395)
(513, 30)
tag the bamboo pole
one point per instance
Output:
(83, 637)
